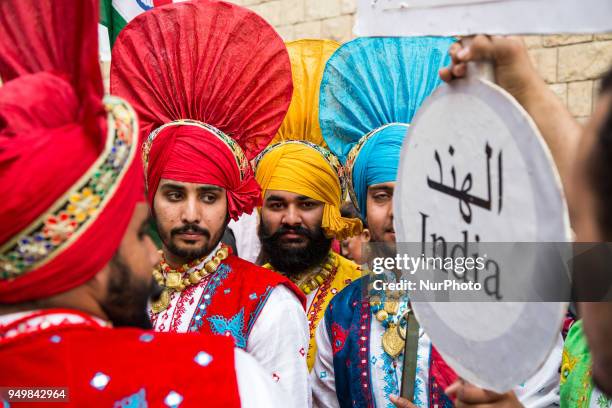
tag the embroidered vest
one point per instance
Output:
(234, 298)
(102, 367)
(348, 320)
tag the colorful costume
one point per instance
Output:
(70, 176)
(296, 162)
(373, 87)
(53, 348)
(212, 71)
(576, 389)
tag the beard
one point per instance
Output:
(292, 261)
(127, 297)
(189, 255)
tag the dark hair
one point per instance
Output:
(600, 166)
(348, 210)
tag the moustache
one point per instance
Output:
(190, 229)
(285, 229)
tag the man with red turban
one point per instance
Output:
(74, 256)
(211, 83)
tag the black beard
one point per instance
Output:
(127, 298)
(188, 255)
(293, 261)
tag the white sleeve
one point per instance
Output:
(254, 384)
(322, 375)
(542, 390)
(279, 341)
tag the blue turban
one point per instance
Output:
(369, 83)
(377, 162)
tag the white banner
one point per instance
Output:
(467, 17)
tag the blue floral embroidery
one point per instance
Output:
(233, 327)
(198, 318)
(390, 378)
(138, 400)
(418, 381)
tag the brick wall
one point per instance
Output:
(571, 64)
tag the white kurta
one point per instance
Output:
(254, 384)
(542, 390)
(278, 340)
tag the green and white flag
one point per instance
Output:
(115, 14)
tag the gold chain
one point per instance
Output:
(174, 281)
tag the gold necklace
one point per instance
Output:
(175, 281)
(393, 339)
(309, 282)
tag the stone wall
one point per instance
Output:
(571, 64)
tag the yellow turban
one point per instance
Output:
(308, 59)
(306, 169)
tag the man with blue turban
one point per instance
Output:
(373, 87)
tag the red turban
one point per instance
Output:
(220, 66)
(68, 181)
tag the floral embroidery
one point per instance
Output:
(241, 160)
(83, 204)
(59, 228)
(351, 158)
(331, 159)
(390, 378)
(567, 365)
(201, 310)
(70, 216)
(137, 400)
(339, 335)
(233, 327)
(31, 250)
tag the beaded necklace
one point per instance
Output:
(174, 280)
(310, 281)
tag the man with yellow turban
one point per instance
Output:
(303, 191)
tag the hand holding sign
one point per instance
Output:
(487, 158)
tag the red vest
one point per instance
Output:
(234, 297)
(103, 367)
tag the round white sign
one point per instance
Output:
(479, 200)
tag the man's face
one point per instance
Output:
(130, 284)
(290, 231)
(379, 210)
(190, 218)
